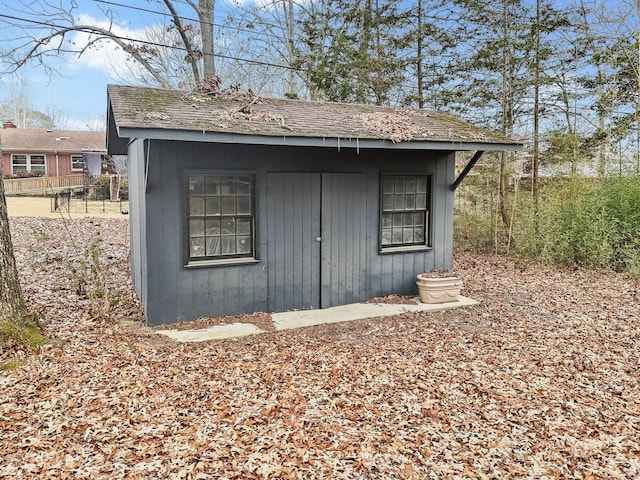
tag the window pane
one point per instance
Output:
(421, 201)
(387, 202)
(213, 206)
(213, 246)
(399, 184)
(197, 247)
(243, 244)
(196, 185)
(399, 202)
(386, 236)
(243, 226)
(387, 185)
(386, 220)
(244, 205)
(410, 202)
(228, 186)
(398, 220)
(228, 245)
(418, 218)
(411, 185)
(212, 226)
(228, 205)
(212, 185)
(196, 228)
(397, 235)
(421, 185)
(418, 234)
(196, 206)
(37, 160)
(408, 220)
(407, 235)
(228, 226)
(244, 185)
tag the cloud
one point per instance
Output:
(104, 54)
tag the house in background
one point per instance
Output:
(241, 204)
(51, 153)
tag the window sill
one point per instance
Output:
(223, 262)
(405, 249)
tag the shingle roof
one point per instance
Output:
(134, 108)
(34, 140)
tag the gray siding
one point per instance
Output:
(299, 191)
(137, 214)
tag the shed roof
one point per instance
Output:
(30, 140)
(243, 117)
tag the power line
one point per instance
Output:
(91, 30)
(165, 14)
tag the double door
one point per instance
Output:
(317, 239)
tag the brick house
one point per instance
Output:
(55, 153)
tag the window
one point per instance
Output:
(404, 216)
(220, 217)
(77, 162)
(27, 163)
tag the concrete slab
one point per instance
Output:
(217, 332)
(357, 311)
(307, 318)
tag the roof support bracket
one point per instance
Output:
(467, 169)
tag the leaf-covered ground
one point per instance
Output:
(540, 381)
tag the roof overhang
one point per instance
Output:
(118, 139)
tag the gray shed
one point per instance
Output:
(241, 204)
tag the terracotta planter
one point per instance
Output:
(438, 289)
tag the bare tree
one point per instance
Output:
(18, 108)
(45, 31)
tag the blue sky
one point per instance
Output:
(78, 91)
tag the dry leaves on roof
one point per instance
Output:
(396, 126)
(540, 381)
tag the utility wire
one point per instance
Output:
(89, 30)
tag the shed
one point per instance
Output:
(240, 203)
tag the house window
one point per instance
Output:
(221, 217)
(27, 163)
(77, 162)
(404, 216)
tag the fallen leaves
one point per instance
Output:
(540, 381)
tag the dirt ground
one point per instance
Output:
(42, 207)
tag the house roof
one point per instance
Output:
(234, 116)
(29, 140)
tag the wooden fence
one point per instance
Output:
(44, 185)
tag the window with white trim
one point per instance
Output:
(27, 163)
(77, 162)
(220, 217)
(404, 213)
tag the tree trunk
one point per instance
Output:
(536, 113)
(419, 63)
(205, 15)
(12, 306)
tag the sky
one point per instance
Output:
(77, 91)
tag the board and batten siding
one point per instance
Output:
(317, 228)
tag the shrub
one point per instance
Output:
(590, 223)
